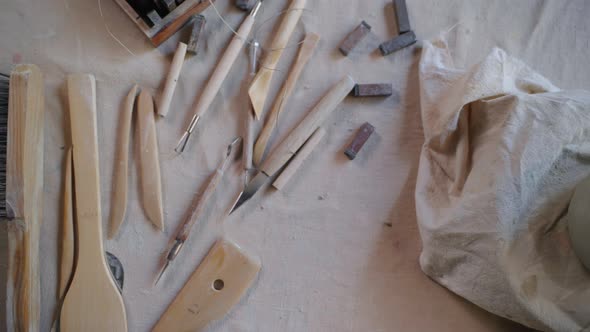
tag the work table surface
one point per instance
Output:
(329, 261)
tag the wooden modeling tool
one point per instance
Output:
(219, 75)
(259, 89)
(22, 114)
(119, 201)
(149, 162)
(217, 284)
(289, 146)
(67, 230)
(305, 51)
(197, 208)
(171, 80)
(248, 146)
(299, 158)
(93, 302)
(157, 28)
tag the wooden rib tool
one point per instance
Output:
(119, 201)
(259, 89)
(149, 164)
(22, 128)
(93, 302)
(309, 43)
(217, 284)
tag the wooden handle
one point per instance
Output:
(259, 89)
(93, 302)
(172, 79)
(176, 20)
(217, 284)
(24, 195)
(223, 67)
(299, 158)
(149, 162)
(119, 201)
(67, 230)
(309, 43)
(289, 146)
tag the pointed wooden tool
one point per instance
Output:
(119, 201)
(67, 231)
(213, 289)
(149, 164)
(93, 302)
(309, 43)
(259, 89)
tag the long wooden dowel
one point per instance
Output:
(119, 201)
(307, 126)
(309, 43)
(172, 79)
(299, 158)
(260, 86)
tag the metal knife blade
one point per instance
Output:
(250, 190)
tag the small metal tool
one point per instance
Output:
(250, 116)
(197, 208)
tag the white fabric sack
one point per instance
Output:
(503, 152)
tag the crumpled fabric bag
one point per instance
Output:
(504, 149)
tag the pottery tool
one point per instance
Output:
(217, 284)
(219, 75)
(259, 89)
(401, 15)
(299, 158)
(119, 201)
(197, 207)
(305, 51)
(22, 113)
(579, 222)
(289, 146)
(93, 302)
(196, 31)
(250, 117)
(159, 22)
(354, 38)
(372, 90)
(149, 162)
(171, 80)
(361, 137)
(397, 43)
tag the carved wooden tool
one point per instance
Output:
(219, 75)
(171, 80)
(93, 302)
(217, 284)
(119, 201)
(309, 43)
(21, 127)
(259, 89)
(149, 161)
(296, 138)
(67, 230)
(299, 158)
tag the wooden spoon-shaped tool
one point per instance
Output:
(93, 302)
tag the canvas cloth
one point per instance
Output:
(504, 149)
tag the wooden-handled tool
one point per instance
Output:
(305, 52)
(296, 138)
(149, 162)
(93, 302)
(22, 126)
(218, 76)
(259, 89)
(217, 284)
(172, 79)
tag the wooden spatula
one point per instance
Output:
(216, 285)
(93, 302)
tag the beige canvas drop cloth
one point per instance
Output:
(504, 151)
(329, 262)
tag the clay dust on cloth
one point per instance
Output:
(504, 149)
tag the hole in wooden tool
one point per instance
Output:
(218, 284)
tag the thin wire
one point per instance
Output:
(109, 30)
